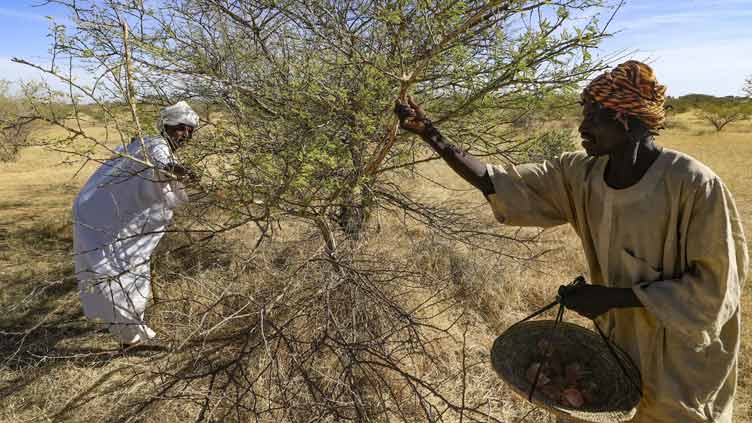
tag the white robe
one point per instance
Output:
(675, 238)
(120, 215)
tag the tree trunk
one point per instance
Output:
(352, 216)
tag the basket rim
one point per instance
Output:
(522, 329)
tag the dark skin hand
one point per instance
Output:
(592, 301)
(631, 150)
(183, 173)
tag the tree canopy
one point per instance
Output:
(307, 87)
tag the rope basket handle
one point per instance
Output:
(622, 360)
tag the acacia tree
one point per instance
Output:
(309, 85)
(723, 112)
(301, 132)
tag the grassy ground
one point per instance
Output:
(67, 369)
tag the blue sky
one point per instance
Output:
(695, 46)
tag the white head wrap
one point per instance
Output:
(179, 113)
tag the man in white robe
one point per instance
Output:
(119, 217)
(661, 234)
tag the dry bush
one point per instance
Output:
(288, 335)
(396, 329)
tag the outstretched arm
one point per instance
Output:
(413, 119)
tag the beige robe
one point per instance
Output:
(674, 238)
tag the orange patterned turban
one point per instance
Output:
(630, 90)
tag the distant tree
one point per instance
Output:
(677, 104)
(748, 86)
(723, 112)
(688, 102)
(14, 125)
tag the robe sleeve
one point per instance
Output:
(700, 302)
(173, 192)
(533, 194)
(160, 154)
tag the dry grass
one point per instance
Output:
(66, 370)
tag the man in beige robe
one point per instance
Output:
(661, 235)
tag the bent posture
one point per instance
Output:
(120, 215)
(661, 235)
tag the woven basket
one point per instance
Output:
(514, 351)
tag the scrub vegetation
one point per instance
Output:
(716, 111)
(330, 268)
